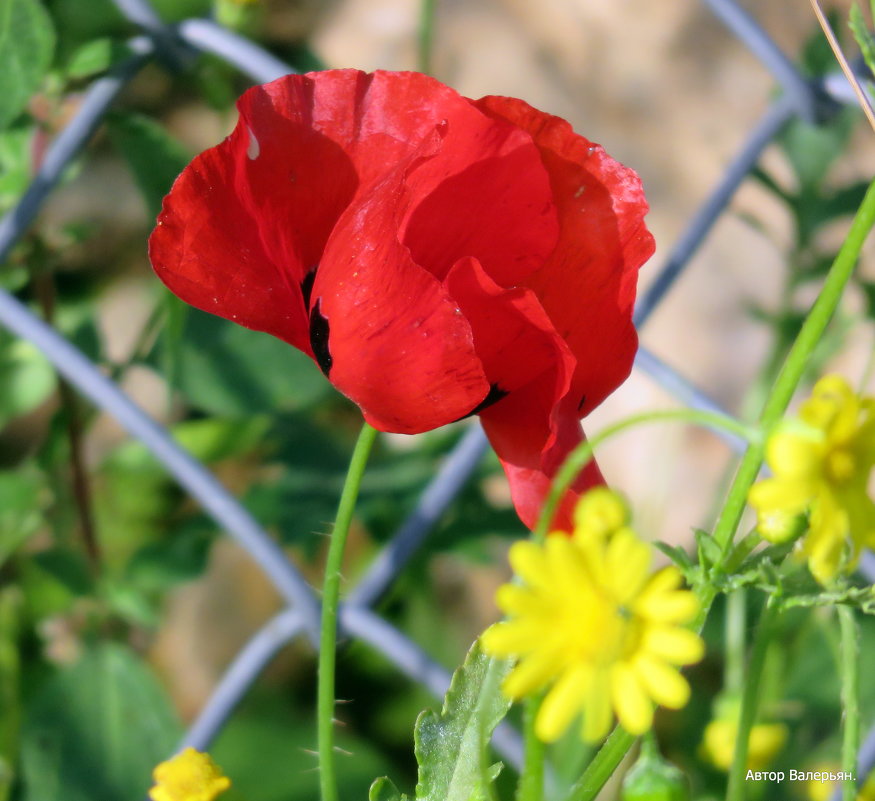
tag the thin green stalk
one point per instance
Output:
(794, 367)
(426, 36)
(531, 784)
(330, 599)
(850, 674)
(603, 765)
(750, 701)
(581, 455)
(736, 614)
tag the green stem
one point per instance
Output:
(580, 456)
(850, 673)
(794, 366)
(330, 599)
(426, 36)
(736, 614)
(531, 784)
(750, 700)
(603, 765)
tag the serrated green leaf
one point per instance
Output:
(95, 730)
(153, 155)
(27, 41)
(96, 56)
(451, 746)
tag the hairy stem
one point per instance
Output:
(330, 602)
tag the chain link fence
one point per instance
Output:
(177, 45)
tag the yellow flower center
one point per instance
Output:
(601, 631)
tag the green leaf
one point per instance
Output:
(68, 568)
(96, 730)
(812, 149)
(709, 550)
(27, 41)
(451, 746)
(861, 33)
(155, 158)
(15, 165)
(96, 56)
(22, 500)
(383, 789)
(26, 378)
(10, 690)
(677, 555)
(229, 370)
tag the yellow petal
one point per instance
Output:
(675, 645)
(679, 606)
(511, 638)
(597, 715)
(665, 684)
(627, 561)
(599, 513)
(532, 673)
(529, 562)
(634, 708)
(514, 599)
(795, 452)
(562, 703)
(785, 495)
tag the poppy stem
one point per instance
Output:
(325, 700)
(583, 453)
(850, 675)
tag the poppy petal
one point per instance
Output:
(535, 426)
(398, 344)
(587, 286)
(206, 248)
(516, 442)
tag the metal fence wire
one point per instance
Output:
(798, 97)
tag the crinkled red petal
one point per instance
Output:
(536, 425)
(398, 344)
(587, 286)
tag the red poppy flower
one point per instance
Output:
(437, 256)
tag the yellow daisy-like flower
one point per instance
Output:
(718, 743)
(821, 464)
(189, 776)
(591, 621)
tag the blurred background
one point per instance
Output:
(663, 86)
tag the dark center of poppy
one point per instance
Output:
(495, 394)
(319, 338)
(307, 286)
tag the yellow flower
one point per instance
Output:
(718, 743)
(591, 621)
(600, 513)
(821, 464)
(189, 776)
